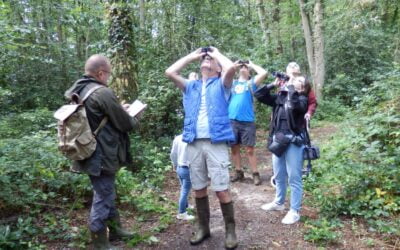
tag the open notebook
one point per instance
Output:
(136, 107)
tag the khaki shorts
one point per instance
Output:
(208, 160)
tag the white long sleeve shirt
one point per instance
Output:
(178, 152)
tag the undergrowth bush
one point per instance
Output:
(163, 115)
(358, 174)
(33, 185)
(36, 182)
(331, 109)
(16, 125)
(322, 231)
(31, 173)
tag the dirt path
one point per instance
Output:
(255, 228)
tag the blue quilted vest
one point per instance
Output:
(217, 111)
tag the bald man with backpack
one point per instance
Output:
(112, 122)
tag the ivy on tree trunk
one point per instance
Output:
(123, 50)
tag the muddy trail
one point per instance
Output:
(255, 228)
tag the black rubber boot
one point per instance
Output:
(100, 241)
(256, 178)
(229, 218)
(203, 221)
(116, 229)
(239, 176)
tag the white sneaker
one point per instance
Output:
(185, 216)
(272, 206)
(190, 206)
(291, 217)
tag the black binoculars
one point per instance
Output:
(206, 49)
(281, 76)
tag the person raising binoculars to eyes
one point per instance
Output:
(242, 116)
(293, 70)
(207, 131)
(286, 140)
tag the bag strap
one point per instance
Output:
(308, 143)
(91, 92)
(308, 140)
(288, 116)
(105, 119)
(289, 120)
(273, 122)
(102, 124)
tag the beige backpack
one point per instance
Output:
(75, 138)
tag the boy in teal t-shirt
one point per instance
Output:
(241, 114)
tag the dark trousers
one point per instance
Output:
(103, 204)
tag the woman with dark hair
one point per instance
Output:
(286, 141)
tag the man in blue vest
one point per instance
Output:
(207, 131)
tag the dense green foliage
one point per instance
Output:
(43, 47)
(358, 174)
(360, 46)
(34, 178)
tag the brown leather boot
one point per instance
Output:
(239, 176)
(100, 240)
(229, 218)
(256, 178)
(203, 221)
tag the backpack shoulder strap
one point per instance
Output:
(93, 89)
(102, 124)
(105, 119)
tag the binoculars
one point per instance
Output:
(281, 76)
(206, 49)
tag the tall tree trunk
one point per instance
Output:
(396, 54)
(78, 46)
(86, 37)
(319, 49)
(63, 62)
(191, 35)
(276, 19)
(293, 42)
(249, 11)
(264, 25)
(123, 50)
(142, 16)
(307, 37)
(168, 26)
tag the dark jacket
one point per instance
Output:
(296, 107)
(113, 143)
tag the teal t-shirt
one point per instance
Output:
(241, 103)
